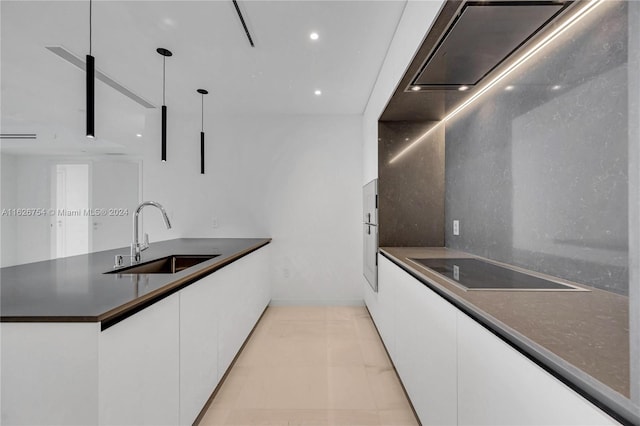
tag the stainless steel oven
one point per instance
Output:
(370, 233)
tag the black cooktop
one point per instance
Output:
(475, 274)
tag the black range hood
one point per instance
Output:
(479, 38)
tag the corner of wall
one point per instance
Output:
(412, 28)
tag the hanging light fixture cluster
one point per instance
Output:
(165, 54)
(90, 92)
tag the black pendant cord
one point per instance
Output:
(164, 110)
(90, 25)
(164, 74)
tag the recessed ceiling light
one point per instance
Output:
(509, 88)
(314, 36)
(139, 135)
(463, 88)
(317, 92)
(556, 87)
(415, 88)
(168, 22)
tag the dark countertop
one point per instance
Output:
(570, 333)
(75, 289)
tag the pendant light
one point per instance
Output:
(165, 53)
(202, 92)
(90, 71)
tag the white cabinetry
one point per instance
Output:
(156, 367)
(217, 313)
(138, 368)
(385, 314)
(500, 386)
(245, 291)
(49, 373)
(457, 372)
(426, 349)
(198, 345)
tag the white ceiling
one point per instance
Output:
(44, 94)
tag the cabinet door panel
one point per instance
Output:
(229, 329)
(426, 350)
(385, 312)
(198, 346)
(49, 373)
(244, 290)
(500, 386)
(139, 367)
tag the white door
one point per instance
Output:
(115, 192)
(71, 204)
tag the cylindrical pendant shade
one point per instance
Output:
(90, 68)
(202, 152)
(202, 92)
(164, 133)
(165, 53)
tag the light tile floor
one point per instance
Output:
(312, 366)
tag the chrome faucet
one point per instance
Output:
(136, 247)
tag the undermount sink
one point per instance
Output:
(166, 265)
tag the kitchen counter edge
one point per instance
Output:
(119, 313)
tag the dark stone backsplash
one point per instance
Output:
(411, 190)
(538, 175)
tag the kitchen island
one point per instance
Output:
(81, 345)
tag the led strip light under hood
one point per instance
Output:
(530, 53)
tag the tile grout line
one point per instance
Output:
(350, 335)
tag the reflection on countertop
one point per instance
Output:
(587, 329)
(76, 289)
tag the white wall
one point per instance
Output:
(26, 183)
(296, 179)
(414, 24)
(412, 29)
(115, 185)
(8, 223)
